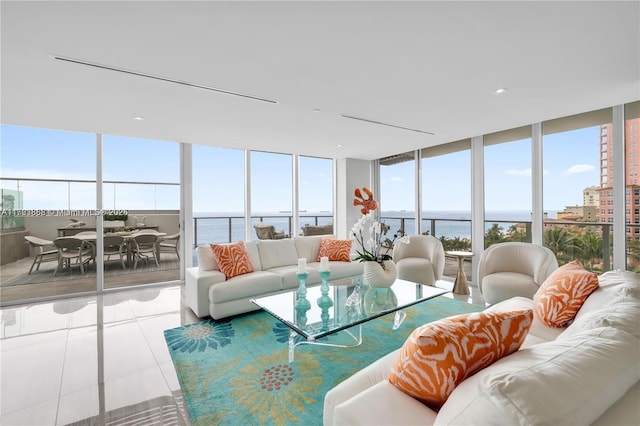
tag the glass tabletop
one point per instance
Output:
(348, 302)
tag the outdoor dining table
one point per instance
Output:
(127, 235)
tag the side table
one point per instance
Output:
(460, 285)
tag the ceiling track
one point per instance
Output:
(156, 77)
(387, 124)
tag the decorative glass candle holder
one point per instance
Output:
(302, 301)
(324, 288)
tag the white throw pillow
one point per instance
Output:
(206, 260)
(565, 382)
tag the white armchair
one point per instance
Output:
(512, 269)
(421, 260)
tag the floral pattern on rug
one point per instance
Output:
(274, 391)
(200, 336)
(236, 371)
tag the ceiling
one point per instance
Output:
(429, 66)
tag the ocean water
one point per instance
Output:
(227, 226)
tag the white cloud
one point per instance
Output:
(396, 179)
(578, 168)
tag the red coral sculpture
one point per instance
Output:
(368, 203)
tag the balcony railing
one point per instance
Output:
(225, 229)
(590, 242)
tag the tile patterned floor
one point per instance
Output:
(92, 360)
(97, 360)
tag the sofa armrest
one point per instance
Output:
(362, 380)
(383, 404)
(197, 284)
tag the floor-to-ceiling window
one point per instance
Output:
(218, 195)
(141, 190)
(508, 186)
(272, 191)
(446, 194)
(315, 196)
(48, 190)
(632, 190)
(397, 193)
(577, 196)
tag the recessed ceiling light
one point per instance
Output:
(316, 110)
(339, 145)
(137, 117)
(501, 90)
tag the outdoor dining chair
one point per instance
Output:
(41, 255)
(73, 249)
(115, 245)
(144, 247)
(169, 244)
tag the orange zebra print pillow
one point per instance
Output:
(562, 294)
(339, 250)
(232, 259)
(440, 355)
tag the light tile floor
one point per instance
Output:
(92, 360)
(97, 360)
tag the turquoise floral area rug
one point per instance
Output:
(236, 372)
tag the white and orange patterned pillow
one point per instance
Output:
(337, 250)
(438, 356)
(232, 259)
(561, 295)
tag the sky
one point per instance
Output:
(570, 163)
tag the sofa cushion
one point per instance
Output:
(562, 294)
(308, 247)
(564, 382)
(275, 253)
(621, 313)
(336, 250)
(232, 259)
(247, 286)
(612, 284)
(206, 259)
(439, 355)
(539, 332)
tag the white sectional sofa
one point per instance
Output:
(275, 264)
(586, 373)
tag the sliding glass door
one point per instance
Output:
(48, 192)
(141, 196)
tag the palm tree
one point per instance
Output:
(493, 235)
(516, 234)
(589, 248)
(458, 243)
(561, 242)
(633, 253)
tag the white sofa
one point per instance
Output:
(275, 264)
(586, 373)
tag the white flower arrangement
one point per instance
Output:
(377, 245)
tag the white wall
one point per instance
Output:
(350, 174)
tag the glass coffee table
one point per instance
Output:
(340, 306)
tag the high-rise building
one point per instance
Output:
(591, 197)
(632, 199)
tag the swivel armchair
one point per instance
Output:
(421, 260)
(512, 269)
